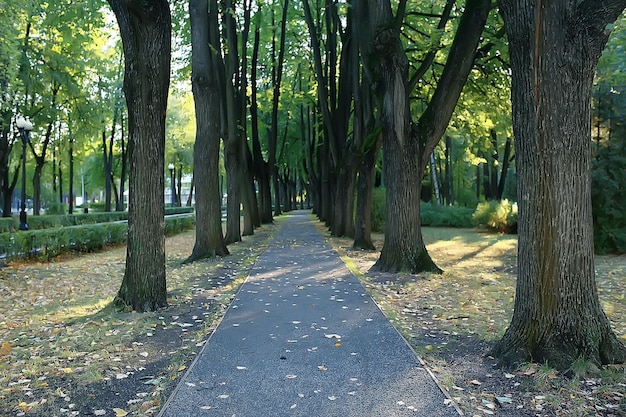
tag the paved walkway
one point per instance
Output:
(303, 338)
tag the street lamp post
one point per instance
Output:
(24, 126)
(171, 168)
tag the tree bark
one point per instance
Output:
(146, 37)
(209, 238)
(406, 145)
(261, 169)
(554, 49)
(277, 76)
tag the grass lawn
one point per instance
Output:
(65, 352)
(452, 321)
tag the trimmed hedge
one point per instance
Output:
(9, 224)
(178, 210)
(431, 215)
(447, 216)
(48, 243)
(55, 221)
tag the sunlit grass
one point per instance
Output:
(59, 322)
(473, 300)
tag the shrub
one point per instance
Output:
(446, 216)
(178, 210)
(8, 224)
(431, 215)
(499, 216)
(608, 196)
(48, 243)
(56, 208)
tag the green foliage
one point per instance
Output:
(8, 224)
(379, 209)
(431, 215)
(609, 199)
(500, 216)
(53, 221)
(179, 224)
(446, 216)
(608, 174)
(56, 208)
(49, 243)
(178, 210)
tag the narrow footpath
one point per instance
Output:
(303, 338)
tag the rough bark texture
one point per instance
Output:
(365, 187)
(146, 36)
(407, 146)
(209, 237)
(554, 50)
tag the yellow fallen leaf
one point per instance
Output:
(337, 344)
(120, 413)
(182, 368)
(5, 349)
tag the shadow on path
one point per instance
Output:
(303, 338)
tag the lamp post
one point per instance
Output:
(24, 126)
(171, 168)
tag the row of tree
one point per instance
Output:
(287, 109)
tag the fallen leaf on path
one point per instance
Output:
(120, 412)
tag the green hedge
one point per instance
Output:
(55, 221)
(178, 210)
(9, 224)
(48, 243)
(431, 215)
(446, 216)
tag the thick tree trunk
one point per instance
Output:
(233, 191)
(365, 187)
(146, 36)
(209, 237)
(406, 145)
(343, 217)
(554, 50)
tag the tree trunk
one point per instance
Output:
(7, 191)
(554, 49)
(233, 191)
(120, 203)
(365, 187)
(71, 172)
(146, 36)
(209, 237)
(277, 77)
(406, 145)
(108, 163)
(506, 160)
(40, 161)
(190, 195)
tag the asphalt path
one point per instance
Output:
(303, 338)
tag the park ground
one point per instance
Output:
(64, 351)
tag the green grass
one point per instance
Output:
(473, 300)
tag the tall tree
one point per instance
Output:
(407, 145)
(554, 50)
(335, 96)
(277, 76)
(146, 37)
(204, 78)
